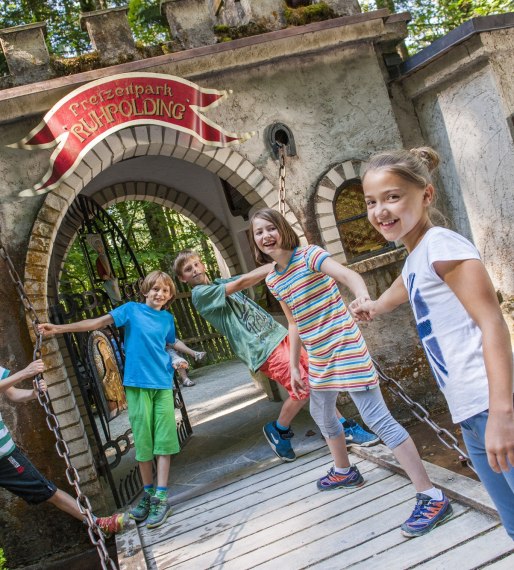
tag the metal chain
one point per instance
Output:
(423, 415)
(282, 178)
(95, 534)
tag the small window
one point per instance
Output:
(358, 236)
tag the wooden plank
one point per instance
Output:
(274, 522)
(506, 563)
(129, 549)
(252, 501)
(474, 553)
(380, 516)
(413, 552)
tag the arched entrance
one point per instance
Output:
(156, 164)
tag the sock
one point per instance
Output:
(342, 421)
(281, 427)
(150, 489)
(434, 493)
(161, 493)
(342, 470)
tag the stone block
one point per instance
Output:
(267, 12)
(190, 22)
(110, 35)
(233, 13)
(342, 7)
(26, 53)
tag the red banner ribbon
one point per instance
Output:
(92, 112)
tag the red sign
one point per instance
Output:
(92, 112)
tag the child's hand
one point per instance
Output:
(33, 369)
(362, 309)
(42, 387)
(46, 329)
(297, 384)
(499, 442)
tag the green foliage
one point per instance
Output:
(434, 19)
(226, 33)
(148, 25)
(3, 561)
(307, 14)
(156, 234)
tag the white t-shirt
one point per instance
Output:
(451, 339)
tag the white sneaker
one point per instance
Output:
(200, 356)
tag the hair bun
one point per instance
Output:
(427, 155)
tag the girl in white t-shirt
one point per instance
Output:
(457, 314)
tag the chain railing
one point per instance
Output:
(95, 534)
(282, 178)
(419, 412)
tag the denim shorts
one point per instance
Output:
(18, 475)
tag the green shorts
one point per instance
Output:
(152, 418)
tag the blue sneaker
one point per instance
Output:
(333, 480)
(427, 514)
(279, 441)
(356, 435)
(159, 512)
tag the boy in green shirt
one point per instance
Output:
(258, 340)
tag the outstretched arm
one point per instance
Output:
(248, 279)
(29, 371)
(48, 329)
(481, 303)
(181, 347)
(19, 395)
(390, 299)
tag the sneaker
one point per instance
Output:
(427, 514)
(141, 511)
(188, 382)
(333, 480)
(356, 435)
(200, 356)
(111, 525)
(159, 512)
(280, 442)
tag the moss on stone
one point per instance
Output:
(70, 65)
(308, 14)
(227, 34)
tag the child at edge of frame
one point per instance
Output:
(148, 382)
(462, 329)
(17, 473)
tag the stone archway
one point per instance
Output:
(324, 205)
(226, 163)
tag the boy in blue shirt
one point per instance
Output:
(147, 379)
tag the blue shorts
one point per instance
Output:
(18, 475)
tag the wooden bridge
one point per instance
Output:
(268, 514)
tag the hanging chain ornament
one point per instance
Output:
(418, 411)
(282, 178)
(95, 534)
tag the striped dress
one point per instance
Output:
(6, 443)
(338, 356)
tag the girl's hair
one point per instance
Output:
(289, 238)
(413, 165)
(151, 279)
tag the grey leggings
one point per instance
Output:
(373, 411)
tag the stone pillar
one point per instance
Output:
(190, 22)
(234, 13)
(26, 52)
(268, 12)
(342, 7)
(110, 35)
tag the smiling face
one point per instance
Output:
(266, 236)
(397, 208)
(158, 295)
(193, 272)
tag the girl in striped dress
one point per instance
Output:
(304, 282)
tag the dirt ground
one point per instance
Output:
(433, 451)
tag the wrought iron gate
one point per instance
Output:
(97, 358)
